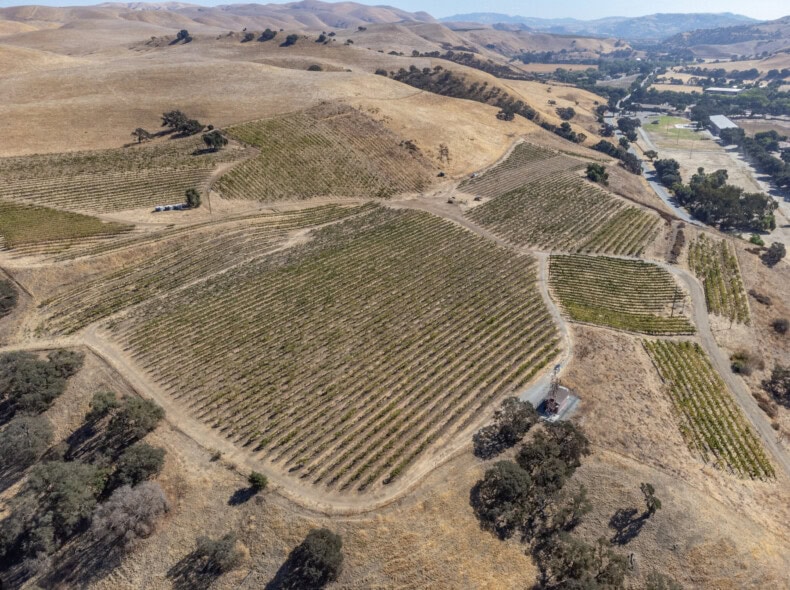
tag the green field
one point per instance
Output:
(623, 294)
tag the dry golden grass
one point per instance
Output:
(676, 88)
(551, 68)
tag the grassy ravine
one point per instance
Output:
(562, 211)
(330, 150)
(40, 228)
(715, 264)
(710, 421)
(623, 294)
(345, 359)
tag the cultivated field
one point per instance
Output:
(567, 213)
(171, 259)
(715, 264)
(526, 163)
(30, 229)
(111, 180)
(712, 425)
(624, 294)
(343, 361)
(329, 150)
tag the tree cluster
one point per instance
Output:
(668, 172)
(182, 36)
(267, 35)
(628, 127)
(29, 384)
(8, 297)
(177, 121)
(316, 562)
(290, 40)
(774, 254)
(565, 113)
(597, 173)
(627, 160)
(468, 58)
(512, 421)
(710, 199)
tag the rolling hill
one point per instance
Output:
(751, 39)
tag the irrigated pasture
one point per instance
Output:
(564, 212)
(526, 163)
(330, 150)
(624, 294)
(713, 426)
(715, 264)
(343, 360)
(171, 259)
(111, 180)
(29, 229)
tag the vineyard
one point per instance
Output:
(711, 423)
(342, 360)
(110, 180)
(526, 163)
(171, 259)
(330, 150)
(29, 229)
(623, 294)
(564, 212)
(715, 264)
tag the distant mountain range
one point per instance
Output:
(643, 28)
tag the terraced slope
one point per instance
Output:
(526, 163)
(715, 264)
(344, 360)
(157, 264)
(29, 229)
(710, 421)
(562, 211)
(330, 150)
(111, 180)
(624, 294)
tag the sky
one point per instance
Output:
(581, 9)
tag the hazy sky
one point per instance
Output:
(583, 9)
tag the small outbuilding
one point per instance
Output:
(719, 123)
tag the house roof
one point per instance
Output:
(722, 122)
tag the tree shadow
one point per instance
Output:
(190, 573)
(241, 496)
(627, 525)
(85, 561)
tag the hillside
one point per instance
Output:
(745, 40)
(643, 28)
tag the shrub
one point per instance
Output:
(566, 113)
(381, 72)
(316, 562)
(774, 254)
(23, 441)
(780, 325)
(760, 298)
(258, 481)
(220, 555)
(193, 198)
(136, 418)
(744, 363)
(248, 37)
(137, 464)
(321, 38)
(779, 385)
(214, 140)
(267, 35)
(8, 295)
(315, 68)
(130, 514)
(290, 40)
(757, 240)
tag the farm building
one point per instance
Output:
(719, 122)
(556, 401)
(717, 90)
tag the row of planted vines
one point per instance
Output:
(716, 265)
(30, 229)
(343, 360)
(624, 294)
(526, 163)
(710, 421)
(565, 212)
(329, 150)
(154, 265)
(111, 180)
